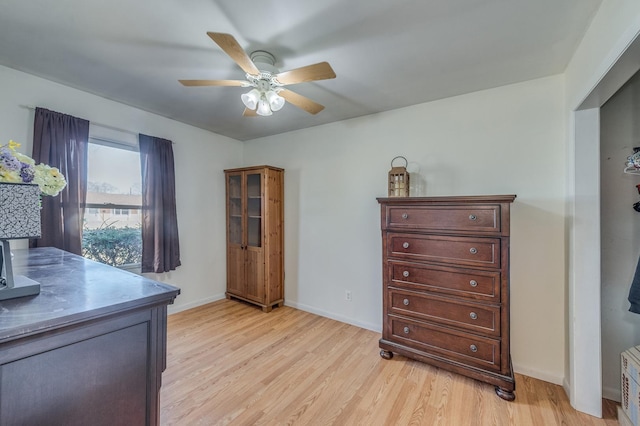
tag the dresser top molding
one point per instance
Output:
(456, 199)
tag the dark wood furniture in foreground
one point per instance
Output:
(90, 349)
(446, 284)
(255, 235)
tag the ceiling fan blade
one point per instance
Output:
(301, 101)
(249, 113)
(319, 71)
(232, 48)
(212, 82)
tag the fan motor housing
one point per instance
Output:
(264, 61)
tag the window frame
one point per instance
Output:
(131, 267)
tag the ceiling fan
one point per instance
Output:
(268, 93)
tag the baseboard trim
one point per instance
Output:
(540, 375)
(614, 394)
(331, 315)
(174, 309)
(567, 388)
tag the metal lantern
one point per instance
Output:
(399, 179)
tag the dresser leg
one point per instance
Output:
(386, 354)
(507, 395)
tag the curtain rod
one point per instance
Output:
(31, 107)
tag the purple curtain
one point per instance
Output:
(60, 140)
(160, 247)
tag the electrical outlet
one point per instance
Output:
(347, 295)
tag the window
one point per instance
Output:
(112, 230)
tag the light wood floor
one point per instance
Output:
(230, 363)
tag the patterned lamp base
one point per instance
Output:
(19, 218)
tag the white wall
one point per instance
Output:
(620, 243)
(332, 240)
(613, 29)
(200, 157)
(508, 140)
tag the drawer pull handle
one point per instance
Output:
(473, 250)
(405, 216)
(406, 330)
(473, 348)
(405, 302)
(405, 245)
(473, 283)
(473, 316)
(405, 274)
(473, 217)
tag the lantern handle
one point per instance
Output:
(406, 163)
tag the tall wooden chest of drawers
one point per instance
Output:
(446, 284)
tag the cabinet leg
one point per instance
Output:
(505, 394)
(267, 308)
(386, 354)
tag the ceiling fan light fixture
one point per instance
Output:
(276, 102)
(265, 81)
(263, 108)
(251, 99)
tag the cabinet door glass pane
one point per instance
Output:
(254, 210)
(235, 209)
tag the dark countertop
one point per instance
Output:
(73, 289)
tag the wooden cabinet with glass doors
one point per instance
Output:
(255, 235)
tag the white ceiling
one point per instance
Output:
(387, 54)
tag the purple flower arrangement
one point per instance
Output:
(19, 168)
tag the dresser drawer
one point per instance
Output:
(470, 316)
(467, 348)
(476, 219)
(467, 283)
(483, 252)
